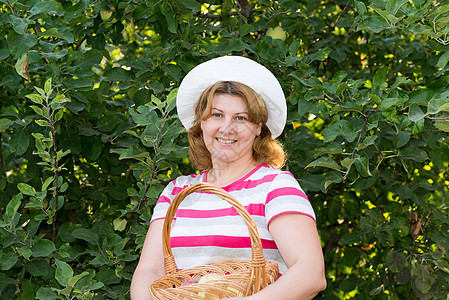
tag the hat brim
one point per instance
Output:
(233, 68)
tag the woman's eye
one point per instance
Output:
(240, 118)
(216, 115)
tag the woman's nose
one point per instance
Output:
(227, 126)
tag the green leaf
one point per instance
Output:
(5, 280)
(47, 7)
(422, 277)
(58, 115)
(321, 55)
(63, 272)
(145, 115)
(5, 124)
(193, 5)
(444, 107)
(369, 140)
(401, 139)
(19, 25)
(392, 6)
(46, 293)
(25, 251)
(8, 260)
(398, 81)
(395, 261)
(347, 162)
(55, 55)
(415, 154)
(442, 125)
(380, 77)
(339, 127)
(421, 29)
(37, 110)
(331, 178)
(12, 208)
(169, 17)
(360, 7)
(20, 141)
(21, 66)
(26, 189)
(339, 76)
(86, 235)
(4, 53)
(117, 74)
(38, 99)
(362, 165)
(311, 182)
(325, 162)
(403, 277)
(20, 44)
(442, 61)
(341, 88)
(435, 105)
(99, 261)
(43, 248)
(107, 123)
(374, 23)
(42, 123)
(76, 278)
(39, 268)
(119, 224)
(415, 113)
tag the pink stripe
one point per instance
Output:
(287, 173)
(285, 191)
(217, 241)
(291, 212)
(249, 184)
(253, 209)
(164, 199)
(177, 189)
(156, 219)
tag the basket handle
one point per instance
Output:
(258, 261)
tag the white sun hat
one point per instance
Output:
(233, 68)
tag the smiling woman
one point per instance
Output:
(234, 109)
(227, 132)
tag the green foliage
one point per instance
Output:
(89, 134)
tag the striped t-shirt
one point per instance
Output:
(208, 229)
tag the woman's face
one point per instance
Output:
(228, 133)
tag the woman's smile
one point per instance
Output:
(226, 141)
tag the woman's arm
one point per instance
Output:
(151, 263)
(297, 239)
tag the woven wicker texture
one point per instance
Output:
(242, 278)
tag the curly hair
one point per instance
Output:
(265, 149)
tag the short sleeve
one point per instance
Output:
(286, 196)
(164, 201)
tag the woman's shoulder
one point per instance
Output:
(265, 169)
(190, 179)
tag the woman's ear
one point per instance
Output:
(258, 129)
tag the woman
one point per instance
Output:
(233, 109)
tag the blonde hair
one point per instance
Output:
(265, 149)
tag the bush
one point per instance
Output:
(90, 136)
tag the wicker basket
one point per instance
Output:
(238, 279)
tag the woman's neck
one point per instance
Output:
(224, 174)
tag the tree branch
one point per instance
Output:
(339, 15)
(1, 154)
(435, 118)
(360, 136)
(245, 10)
(209, 16)
(80, 42)
(11, 6)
